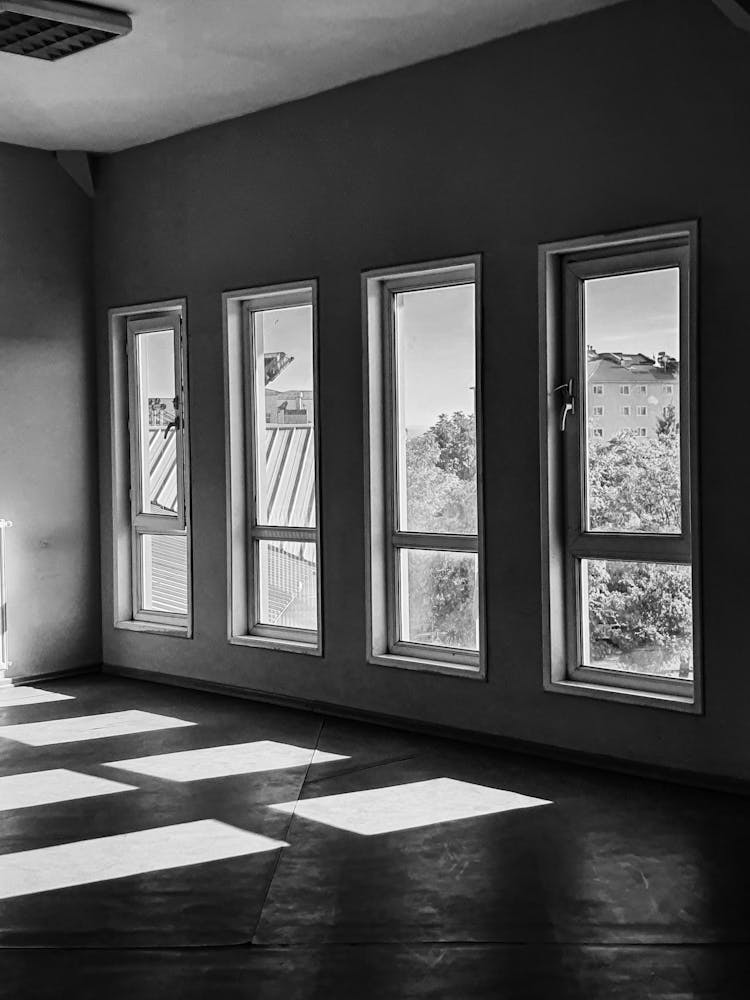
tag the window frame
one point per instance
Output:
(563, 266)
(386, 541)
(130, 520)
(244, 533)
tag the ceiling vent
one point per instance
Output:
(44, 29)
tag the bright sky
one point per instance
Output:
(634, 312)
(157, 364)
(290, 331)
(435, 330)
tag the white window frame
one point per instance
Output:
(384, 542)
(624, 390)
(562, 267)
(597, 432)
(243, 533)
(641, 411)
(642, 390)
(626, 411)
(598, 389)
(668, 390)
(597, 411)
(130, 522)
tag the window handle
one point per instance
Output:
(176, 422)
(569, 401)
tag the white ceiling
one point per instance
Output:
(188, 63)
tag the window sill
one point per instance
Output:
(470, 671)
(281, 645)
(628, 696)
(156, 628)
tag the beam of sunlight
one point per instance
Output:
(40, 788)
(88, 727)
(87, 861)
(219, 762)
(404, 807)
(11, 696)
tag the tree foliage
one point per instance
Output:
(640, 613)
(441, 497)
(456, 438)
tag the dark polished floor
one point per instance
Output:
(515, 877)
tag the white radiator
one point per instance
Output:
(4, 661)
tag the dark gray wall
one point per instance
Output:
(624, 118)
(48, 467)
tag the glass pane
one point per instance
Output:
(632, 402)
(288, 584)
(158, 435)
(164, 574)
(285, 398)
(638, 617)
(439, 598)
(436, 447)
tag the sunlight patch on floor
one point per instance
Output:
(220, 762)
(88, 727)
(41, 788)
(12, 696)
(404, 807)
(104, 858)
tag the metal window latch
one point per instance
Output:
(569, 401)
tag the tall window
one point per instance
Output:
(621, 503)
(150, 462)
(425, 557)
(271, 371)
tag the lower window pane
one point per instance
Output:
(638, 617)
(164, 573)
(438, 600)
(288, 584)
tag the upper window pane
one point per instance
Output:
(632, 343)
(435, 427)
(157, 422)
(285, 417)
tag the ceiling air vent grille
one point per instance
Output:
(51, 31)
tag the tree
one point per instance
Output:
(639, 613)
(668, 426)
(634, 483)
(437, 500)
(441, 497)
(456, 438)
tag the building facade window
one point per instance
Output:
(620, 511)
(624, 390)
(598, 411)
(598, 390)
(151, 483)
(641, 411)
(625, 411)
(274, 544)
(422, 343)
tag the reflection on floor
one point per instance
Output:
(262, 852)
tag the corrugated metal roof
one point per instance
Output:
(604, 370)
(290, 464)
(291, 568)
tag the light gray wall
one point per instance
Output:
(48, 473)
(624, 118)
